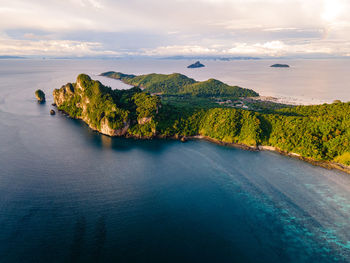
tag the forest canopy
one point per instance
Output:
(320, 132)
(178, 84)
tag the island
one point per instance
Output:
(196, 65)
(40, 96)
(175, 106)
(279, 66)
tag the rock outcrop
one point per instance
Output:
(111, 112)
(40, 96)
(144, 120)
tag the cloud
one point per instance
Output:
(53, 48)
(179, 50)
(92, 3)
(273, 48)
(171, 27)
(280, 29)
(267, 49)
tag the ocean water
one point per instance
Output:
(68, 194)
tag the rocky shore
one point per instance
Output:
(325, 164)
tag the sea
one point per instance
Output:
(69, 194)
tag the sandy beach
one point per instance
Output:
(291, 100)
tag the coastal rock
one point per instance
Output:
(52, 112)
(40, 96)
(106, 129)
(144, 120)
(267, 148)
(196, 65)
(183, 139)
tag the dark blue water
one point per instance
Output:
(68, 194)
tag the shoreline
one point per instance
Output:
(289, 100)
(324, 164)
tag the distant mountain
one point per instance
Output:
(11, 57)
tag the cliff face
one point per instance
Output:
(106, 128)
(62, 95)
(111, 112)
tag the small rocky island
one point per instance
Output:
(196, 65)
(40, 96)
(279, 66)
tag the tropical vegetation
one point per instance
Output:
(320, 132)
(178, 84)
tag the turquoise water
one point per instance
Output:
(68, 194)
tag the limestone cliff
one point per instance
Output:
(111, 112)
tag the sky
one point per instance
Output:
(162, 28)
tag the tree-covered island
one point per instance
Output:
(177, 106)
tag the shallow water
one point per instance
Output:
(68, 194)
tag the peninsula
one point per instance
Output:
(176, 106)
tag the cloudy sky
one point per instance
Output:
(303, 28)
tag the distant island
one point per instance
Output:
(279, 66)
(196, 65)
(175, 106)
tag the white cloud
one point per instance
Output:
(171, 27)
(179, 50)
(53, 48)
(280, 29)
(267, 49)
(93, 3)
(332, 9)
